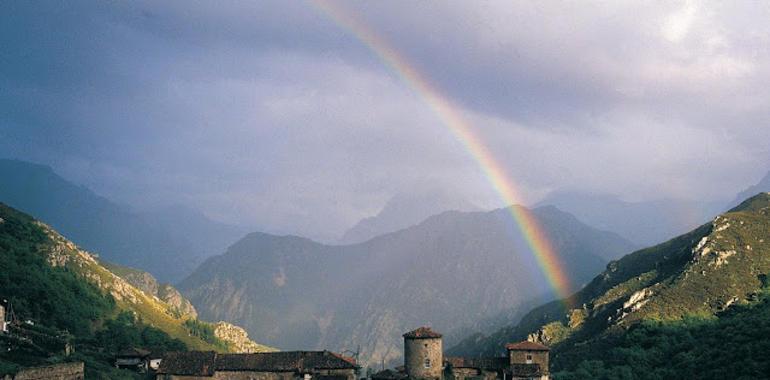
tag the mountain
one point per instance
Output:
(644, 223)
(700, 297)
(762, 186)
(168, 243)
(450, 270)
(59, 295)
(405, 210)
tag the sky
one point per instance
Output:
(272, 114)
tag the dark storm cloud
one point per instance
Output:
(271, 114)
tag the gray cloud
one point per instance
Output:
(269, 114)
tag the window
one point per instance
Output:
(529, 358)
(427, 363)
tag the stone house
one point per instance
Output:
(529, 357)
(423, 359)
(292, 365)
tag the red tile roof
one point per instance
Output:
(422, 333)
(526, 346)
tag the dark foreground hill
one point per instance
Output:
(453, 270)
(693, 307)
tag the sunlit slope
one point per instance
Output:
(701, 275)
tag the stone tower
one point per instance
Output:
(423, 354)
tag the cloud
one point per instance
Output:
(271, 115)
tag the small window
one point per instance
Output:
(427, 363)
(529, 359)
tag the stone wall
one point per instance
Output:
(416, 351)
(466, 373)
(64, 371)
(349, 374)
(253, 375)
(462, 373)
(178, 377)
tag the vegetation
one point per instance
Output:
(54, 297)
(205, 331)
(60, 306)
(693, 307)
(125, 332)
(731, 346)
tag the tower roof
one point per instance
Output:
(422, 333)
(526, 346)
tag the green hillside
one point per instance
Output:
(686, 294)
(61, 295)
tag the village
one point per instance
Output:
(423, 359)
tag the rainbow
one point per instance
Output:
(463, 132)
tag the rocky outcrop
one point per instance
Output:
(173, 298)
(144, 281)
(237, 338)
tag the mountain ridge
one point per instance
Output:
(298, 294)
(644, 223)
(166, 245)
(403, 211)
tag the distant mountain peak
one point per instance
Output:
(756, 202)
(762, 186)
(643, 222)
(404, 210)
